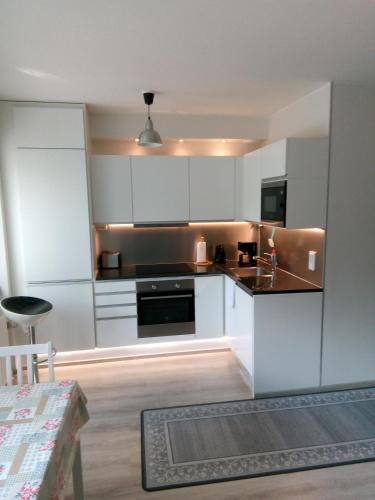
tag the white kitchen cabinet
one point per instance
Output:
(116, 332)
(274, 159)
(209, 301)
(276, 337)
(287, 341)
(111, 189)
(54, 214)
(240, 325)
(49, 126)
(116, 313)
(160, 188)
(304, 163)
(250, 186)
(229, 306)
(70, 324)
(212, 188)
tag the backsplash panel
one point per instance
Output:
(292, 247)
(173, 244)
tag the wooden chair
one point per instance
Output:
(30, 351)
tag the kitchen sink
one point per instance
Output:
(248, 272)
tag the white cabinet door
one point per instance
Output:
(160, 188)
(70, 324)
(306, 203)
(242, 340)
(116, 332)
(212, 188)
(273, 159)
(48, 127)
(229, 307)
(209, 303)
(54, 214)
(287, 338)
(111, 189)
(251, 184)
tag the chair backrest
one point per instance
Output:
(29, 351)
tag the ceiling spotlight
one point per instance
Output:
(180, 140)
(223, 140)
(137, 140)
(149, 137)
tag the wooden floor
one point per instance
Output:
(118, 391)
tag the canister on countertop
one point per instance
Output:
(201, 252)
(110, 260)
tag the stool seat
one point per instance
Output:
(24, 310)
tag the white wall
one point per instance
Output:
(121, 125)
(349, 304)
(309, 116)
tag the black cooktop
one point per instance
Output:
(163, 269)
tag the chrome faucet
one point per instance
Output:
(273, 260)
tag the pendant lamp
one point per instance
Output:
(149, 137)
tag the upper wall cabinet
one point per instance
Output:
(160, 188)
(111, 189)
(212, 188)
(49, 126)
(304, 162)
(54, 214)
(249, 188)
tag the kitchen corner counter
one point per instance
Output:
(281, 282)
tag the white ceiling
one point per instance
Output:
(234, 57)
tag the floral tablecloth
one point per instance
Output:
(39, 427)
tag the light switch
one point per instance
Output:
(312, 260)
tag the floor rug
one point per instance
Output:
(205, 443)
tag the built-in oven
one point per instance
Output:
(165, 308)
(273, 201)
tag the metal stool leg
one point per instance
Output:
(35, 357)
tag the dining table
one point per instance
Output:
(40, 440)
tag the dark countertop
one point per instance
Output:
(130, 273)
(282, 281)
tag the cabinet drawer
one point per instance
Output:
(116, 332)
(115, 299)
(114, 286)
(116, 311)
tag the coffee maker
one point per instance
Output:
(248, 251)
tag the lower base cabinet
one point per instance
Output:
(287, 341)
(276, 337)
(209, 314)
(70, 324)
(116, 332)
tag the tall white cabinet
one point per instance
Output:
(54, 214)
(160, 189)
(55, 220)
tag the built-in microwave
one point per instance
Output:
(273, 201)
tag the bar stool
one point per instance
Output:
(27, 312)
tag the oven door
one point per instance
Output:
(165, 313)
(273, 202)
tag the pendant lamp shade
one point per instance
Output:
(149, 137)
